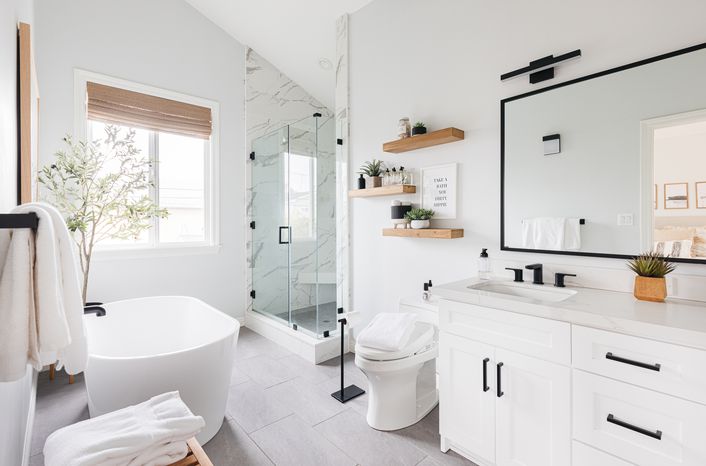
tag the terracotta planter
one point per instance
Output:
(376, 181)
(650, 289)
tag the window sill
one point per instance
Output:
(147, 252)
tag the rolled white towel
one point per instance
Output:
(388, 331)
(152, 433)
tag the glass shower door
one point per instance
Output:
(270, 238)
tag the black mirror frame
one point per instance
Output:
(503, 102)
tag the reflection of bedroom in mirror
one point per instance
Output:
(679, 160)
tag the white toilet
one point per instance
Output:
(402, 385)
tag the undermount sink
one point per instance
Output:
(546, 293)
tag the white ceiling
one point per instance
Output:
(291, 34)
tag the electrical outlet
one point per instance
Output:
(625, 220)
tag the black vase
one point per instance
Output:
(361, 182)
(417, 130)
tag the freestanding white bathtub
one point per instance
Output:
(147, 346)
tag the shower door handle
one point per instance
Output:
(281, 230)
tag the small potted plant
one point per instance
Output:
(650, 284)
(373, 170)
(419, 128)
(420, 218)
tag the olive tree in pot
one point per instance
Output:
(102, 189)
(420, 218)
(373, 170)
(651, 269)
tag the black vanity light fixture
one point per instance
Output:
(552, 144)
(543, 68)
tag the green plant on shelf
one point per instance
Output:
(420, 124)
(372, 168)
(419, 214)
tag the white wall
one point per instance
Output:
(441, 62)
(166, 44)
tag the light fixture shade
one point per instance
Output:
(552, 144)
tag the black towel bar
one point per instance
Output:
(28, 220)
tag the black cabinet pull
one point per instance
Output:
(499, 391)
(613, 420)
(644, 365)
(485, 374)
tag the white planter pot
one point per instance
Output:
(420, 224)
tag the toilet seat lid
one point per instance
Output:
(422, 335)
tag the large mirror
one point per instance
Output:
(612, 164)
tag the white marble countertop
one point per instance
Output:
(675, 321)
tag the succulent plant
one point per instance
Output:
(372, 168)
(420, 124)
(419, 214)
(651, 264)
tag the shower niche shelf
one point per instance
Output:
(436, 233)
(384, 190)
(435, 138)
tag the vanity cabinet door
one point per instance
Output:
(467, 404)
(533, 411)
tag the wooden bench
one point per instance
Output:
(196, 456)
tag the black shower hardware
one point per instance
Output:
(281, 229)
(28, 220)
(542, 69)
(537, 277)
(559, 279)
(518, 274)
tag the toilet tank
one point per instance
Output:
(427, 311)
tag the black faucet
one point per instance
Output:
(94, 308)
(518, 274)
(538, 278)
(559, 279)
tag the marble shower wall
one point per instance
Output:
(273, 101)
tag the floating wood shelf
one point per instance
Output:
(435, 138)
(438, 233)
(384, 190)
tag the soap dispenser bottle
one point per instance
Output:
(484, 265)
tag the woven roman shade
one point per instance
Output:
(128, 108)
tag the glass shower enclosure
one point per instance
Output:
(294, 239)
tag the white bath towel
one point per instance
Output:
(152, 433)
(572, 234)
(543, 233)
(74, 357)
(52, 327)
(388, 331)
(18, 326)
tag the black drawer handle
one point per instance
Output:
(485, 374)
(499, 391)
(656, 434)
(644, 365)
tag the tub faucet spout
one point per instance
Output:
(99, 311)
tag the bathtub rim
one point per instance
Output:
(236, 330)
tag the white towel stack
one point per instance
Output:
(388, 331)
(41, 308)
(153, 433)
(551, 233)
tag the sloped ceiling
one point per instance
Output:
(293, 35)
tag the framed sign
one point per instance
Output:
(676, 195)
(438, 187)
(701, 195)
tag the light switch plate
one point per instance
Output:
(625, 220)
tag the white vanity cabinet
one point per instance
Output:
(502, 407)
(522, 390)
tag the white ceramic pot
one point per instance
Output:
(420, 224)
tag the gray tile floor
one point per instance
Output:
(313, 319)
(280, 411)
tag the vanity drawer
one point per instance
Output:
(532, 336)
(671, 369)
(636, 424)
(583, 455)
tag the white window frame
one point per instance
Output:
(211, 244)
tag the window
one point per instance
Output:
(176, 133)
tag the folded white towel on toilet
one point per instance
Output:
(152, 433)
(388, 331)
